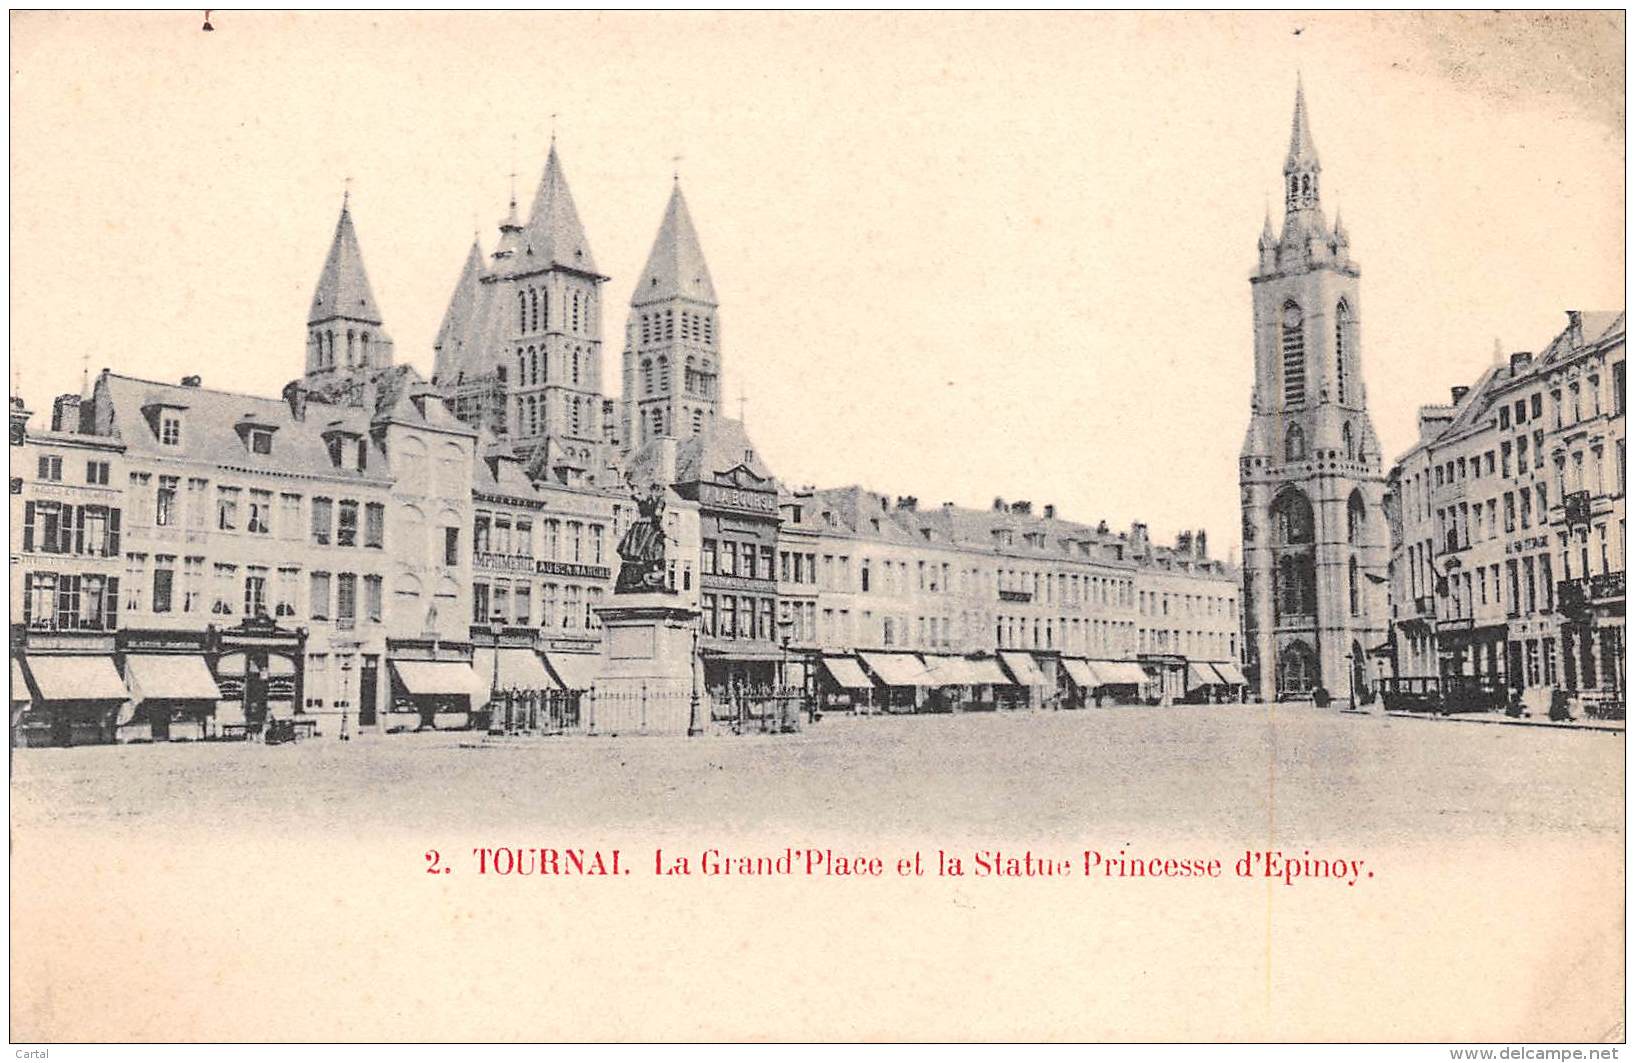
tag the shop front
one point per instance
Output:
(435, 694)
(519, 692)
(72, 699)
(1028, 680)
(175, 698)
(902, 678)
(1117, 682)
(842, 686)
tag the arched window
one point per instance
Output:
(522, 367)
(1305, 185)
(1293, 328)
(543, 369)
(573, 419)
(647, 376)
(1351, 584)
(689, 381)
(1355, 515)
(698, 421)
(1342, 328)
(709, 329)
(669, 324)
(646, 334)
(576, 365)
(545, 308)
(533, 308)
(363, 342)
(576, 311)
(1350, 443)
(522, 312)
(664, 374)
(1292, 523)
(1294, 444)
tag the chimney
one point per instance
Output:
(1050, 511)
(190, 381)
(65, 414)
(1024, 507)
(295, 394)
(1458, 392)
(998, 504)
(19, 421)
(1202, 542)
(1520, 360)
(908, 502)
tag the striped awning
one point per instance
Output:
(519, 669)
(1022, 666)
(846, 673)
(1230, 674)
(1200, 674)
(76, 678)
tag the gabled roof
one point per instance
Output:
(722, 446)
(554, 236)
(675, 266)
(343, 286)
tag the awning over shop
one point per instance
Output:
(898, 669)
(846, 673)
(519, 669)
(1022, 667)
(78, 678)
(19, 685)
(1230, 674)
(985, 671)
(577, 671)
(440, 677)
(1083, 676)
(173, 677)
(950, 672)
(1200, 674)
(1119, 673)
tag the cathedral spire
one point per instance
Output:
(555, 236)
(463, 303)
(675, 266)
(1301, 168)
(343, 287)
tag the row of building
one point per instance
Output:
(394, 552)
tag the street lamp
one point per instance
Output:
(785, 628)
(692, 712)
(494, 686)
(1356, 670)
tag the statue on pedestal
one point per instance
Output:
(642, 548)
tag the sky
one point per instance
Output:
(959, 256)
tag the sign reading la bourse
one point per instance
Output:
(521, 563)
(724, 497)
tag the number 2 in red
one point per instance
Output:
(432, 860)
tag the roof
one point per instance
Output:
(675, 266)
(462, 305)
(554, 236)
(722, 446)
(343, 286)
(210, 431)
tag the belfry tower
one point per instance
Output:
(345, 339)
(1314, 534)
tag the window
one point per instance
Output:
(289, 516)
(260, 441)
(570, 606)
(50, 467)
(451, 546)
(1342, 325)
(255, 591)
(96, 472)
(170, 429)
(227, 508)
(284, 595)
(322, 520)
(346, 532)
(595, 543)
(547, 606)
(1294, 445)
(319, 596)
(346, 599)
(1504, 417)
(707, 557)
(374, 525)
(1294, 356)
(198, 505)
(260, 516)
(192, 584)
(524, 603)
(222, 588)
(164, 501)
(164, 578)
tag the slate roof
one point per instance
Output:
(675, 266)
(343, 285)
(554, 236)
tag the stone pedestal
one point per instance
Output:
(647, 682)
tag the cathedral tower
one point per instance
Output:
(1314, 535)
(672, 347)
(344, 335)
(520, 348)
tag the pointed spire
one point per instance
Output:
(675, 266)
(1302, 149)
(1268, 237)
(343, 286)
(1340, 235)
(554, 236)
(463, 302)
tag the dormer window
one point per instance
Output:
(170, 429)
(260, 441)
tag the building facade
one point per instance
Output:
(1507, 570)
(1314, 534)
